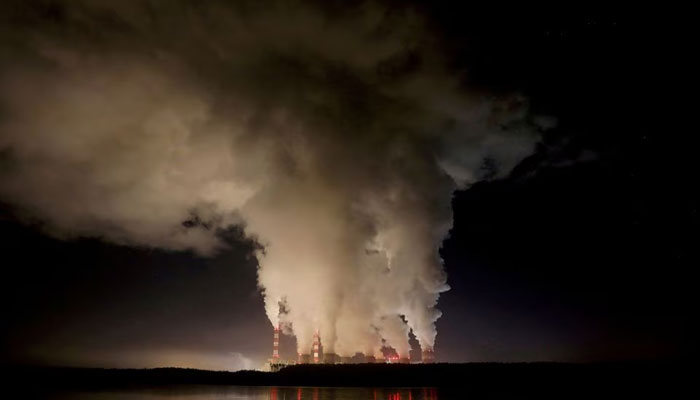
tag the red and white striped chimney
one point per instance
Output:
(276, 345)
(317, 341)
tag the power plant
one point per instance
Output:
(318, 356)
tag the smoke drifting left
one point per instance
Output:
(335, 137)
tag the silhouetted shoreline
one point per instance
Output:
(567, 380)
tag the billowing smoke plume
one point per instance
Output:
(335, 137)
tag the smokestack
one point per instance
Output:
(428, 356)
(317, 341)
(276, 345)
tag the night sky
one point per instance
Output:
(584, 251)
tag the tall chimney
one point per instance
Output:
(276, 345)
(317, 340)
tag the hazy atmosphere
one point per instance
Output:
(178, 178)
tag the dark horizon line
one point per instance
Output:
(659, 360)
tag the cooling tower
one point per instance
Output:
(330, 358)
(428, 356)
(304, 358)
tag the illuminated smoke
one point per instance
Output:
(335, 138)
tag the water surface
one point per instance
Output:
(254, 393)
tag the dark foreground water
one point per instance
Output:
(255, 393)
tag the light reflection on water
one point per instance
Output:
(257, 393)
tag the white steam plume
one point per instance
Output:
(336, 139)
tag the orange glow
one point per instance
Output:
(433, 394)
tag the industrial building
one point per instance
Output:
(317, 356)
